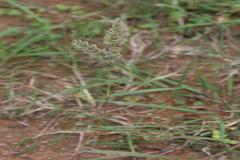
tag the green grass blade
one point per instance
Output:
(127, 93)
(25, 9)
(128, 154)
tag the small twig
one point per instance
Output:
(232, 123)
(159, 52)
(206, 150)
(79, 145)
(80, 140)
(221, 153)
(50, 95)
(79, 102)
(50, 124)
(58, 132)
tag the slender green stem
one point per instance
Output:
(106, 101)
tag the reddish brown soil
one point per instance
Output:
(13, 133)
(5, 22)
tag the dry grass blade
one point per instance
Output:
(138, 43)
(82, 82)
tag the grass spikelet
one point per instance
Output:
(114, 39)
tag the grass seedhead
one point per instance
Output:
(115, 38)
